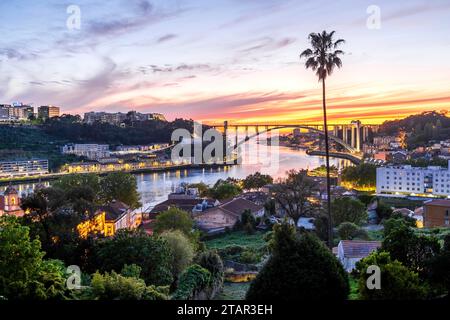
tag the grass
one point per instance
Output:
(233, 291)
(238, 238)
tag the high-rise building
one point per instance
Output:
(47, 112)
(90, 151)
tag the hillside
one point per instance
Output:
(420, 128)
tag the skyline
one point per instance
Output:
(228, 60)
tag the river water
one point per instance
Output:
(154, 187)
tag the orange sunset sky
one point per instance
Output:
(226, 59)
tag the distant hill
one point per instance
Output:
(421, 128)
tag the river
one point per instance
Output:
(154, 187)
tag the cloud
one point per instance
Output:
(166, 37)
(268, 43)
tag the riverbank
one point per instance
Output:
(57, 175)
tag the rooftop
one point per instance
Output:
(358, 248)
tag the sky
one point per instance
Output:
(235, 60)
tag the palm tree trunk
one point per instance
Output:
(327, 157)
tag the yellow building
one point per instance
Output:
(108, 219)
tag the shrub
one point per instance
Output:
(192, 280)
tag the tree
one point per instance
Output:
(397, 281)
(224, 190)
(350, 231)
(439, 266)
(23, 272)
(257, 181)
(120, 186)
(404, 245)
(174, 219)
(383, 211)
(292, 194)
(299, 268)
(181, 248)
(152, 254)
(348, 210)
(323, 58)
(361, 177)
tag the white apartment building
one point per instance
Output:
(90, 151)
(407, 180)
(23, 168)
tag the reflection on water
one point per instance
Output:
(154, 187)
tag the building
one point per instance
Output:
(10, 203)
(436, 213)
(23, 168)
(107, 220)
(225, 215)
(349, 252)
(90, 151)
(408, 180)
(386, 142)
(47, 112)
(15, 112)
(118, 118)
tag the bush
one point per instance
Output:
(150, 253)
(113, 286)
(192, 280)
(300, 268)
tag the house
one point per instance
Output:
(349, 252)
(107, 220)
(436, 213)
(226, 215)
(186, 203)
(10, 203)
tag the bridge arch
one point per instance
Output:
(332, 137)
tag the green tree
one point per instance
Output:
(348, 210)
(309, 270)
(397, 281)
(152, 254)
(404, 245)
(383, 211)
(350, 231)
(224, 190)
(256, 181)
(362, 176)
(323, 58)
(23, 272)
(292, 194)
(174, 219)
(181, 248)
(120, 186)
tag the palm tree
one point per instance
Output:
(322, 58)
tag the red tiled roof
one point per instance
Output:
(359, 249)
(239, 205)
